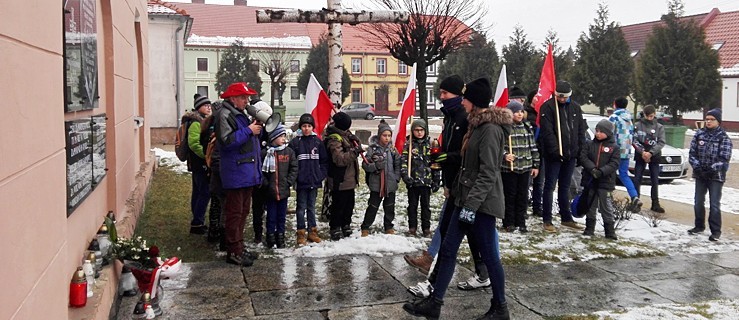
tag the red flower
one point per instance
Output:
(154, 251)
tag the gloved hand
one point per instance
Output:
(440, 157)
(596, 173)
(380, 165)
(353, 139)
(718, 166)
(408, 180)
(467, 216)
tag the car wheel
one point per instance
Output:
(369, 116)
(665, 181)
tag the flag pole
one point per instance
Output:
(510, 148)
(410, 145)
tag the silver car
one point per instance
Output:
(359, 110)
(673, 163)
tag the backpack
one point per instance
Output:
(210, 149)
(181, 148)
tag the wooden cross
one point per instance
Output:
(334, 16)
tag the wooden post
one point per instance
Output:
(510, 148)
(559, 126)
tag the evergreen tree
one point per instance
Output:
(317, 64)
(604, 67)
(562, 63)
(678, 69)
(477, 59)
(237, 67)
(516, 57)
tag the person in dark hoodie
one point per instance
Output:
(649, 139)
(312, 170)
(600, 160)
(479, 201)
(383, 175)
(343, 173)
(280, 169)
(560, 117)
(421, 180)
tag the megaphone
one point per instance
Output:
(263, 113)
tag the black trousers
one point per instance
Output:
(516, 190)
(258, 206)
(342, 208)
(388, 205)
(415, 195)
(653, 176)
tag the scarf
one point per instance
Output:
(269, 160)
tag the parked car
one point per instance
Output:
(673, 163)
(359, 110)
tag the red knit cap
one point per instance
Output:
(237, 89)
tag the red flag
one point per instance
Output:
(547, 83)
(318, 104)
(501, 91)
(409, 107)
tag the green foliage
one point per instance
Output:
(317, 64)
(236, 67)
(604, 67)
(517, 55)
(678, 69)
(478, 58)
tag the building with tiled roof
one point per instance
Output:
(722, 33)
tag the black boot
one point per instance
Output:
(497, 311)
(346, 231)
(271, 240)
(280, 240)
(657, 208)
(589, 227)
(335, 234)
(429, 307)
(610, 231)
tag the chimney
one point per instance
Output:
(198, 1)
(240, 2)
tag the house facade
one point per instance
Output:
(77, 140)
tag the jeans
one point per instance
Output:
(623, 175)
(416, 195)
(713, 188)
(276, 214)
(558, 171)
(388, 205)
(306, 206)
(236, 208)
(200, 196)
(489, 249)
(653, 176)
(436, 239)
(537, 189)
(516, 190)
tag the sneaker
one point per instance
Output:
(714, 237)
(696, 230)
(426, 233)
(239, 260)
(201, 229)
(573, 225)
(422, 289)
(473, 283)
(548, 227)
(636, 205)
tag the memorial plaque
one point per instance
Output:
(80, 55)
(98, 149)
(79, 162)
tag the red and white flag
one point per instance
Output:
(408, 108)
(318, 104)
(501, 91)
(547, 83)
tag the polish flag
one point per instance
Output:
(547, 83)
(407, 111)
(318, 104)
(501, 91)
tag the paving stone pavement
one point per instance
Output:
(364, 287)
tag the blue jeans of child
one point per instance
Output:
(558, 171)
(276, 213)
(306, 206)
(623, 175)
(487, 243)
(653, 176)
(713, 188)
(200, 196)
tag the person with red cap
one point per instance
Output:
(240, 165)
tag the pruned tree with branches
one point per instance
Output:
(275, 62)
(478, 58)
(435, 29)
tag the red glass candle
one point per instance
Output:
(78, 289)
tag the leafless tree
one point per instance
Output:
(275, 62)
(435, 28)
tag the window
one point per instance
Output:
(294, 93)
(294, 66)
(203, 91)
(202, 64)
(356, 95)
(430, 99)
(254, 64)
(401, 94)
(381, 66)
(402, 68)
(356, 65)
(431, 69)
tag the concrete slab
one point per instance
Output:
(408, 276)
(658, 267)
(724, 259)
(206, 303)
(302, 272)
(543, 274)
(365, 293)
(290, 316)
(690, 290)
(571, 299)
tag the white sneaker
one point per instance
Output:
(422, 289)
(473, 283)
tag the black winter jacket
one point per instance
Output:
(603, 155)
(573, 128)
(455, 127)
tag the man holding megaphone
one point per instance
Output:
(240, 164)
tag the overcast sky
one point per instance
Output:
(569, 18)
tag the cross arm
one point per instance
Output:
(324, 15)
